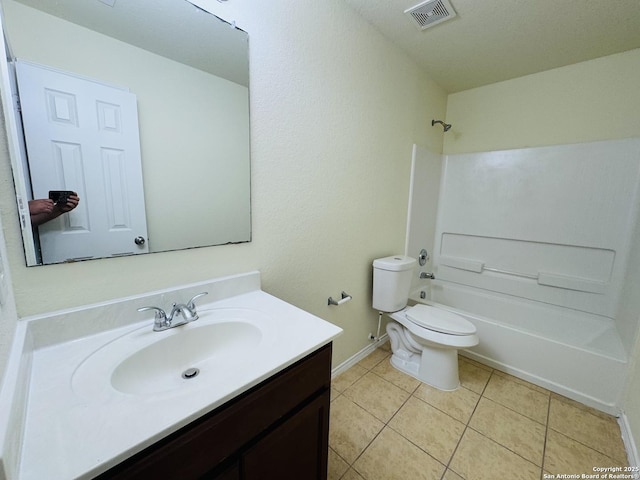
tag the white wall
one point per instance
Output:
(585, 102)
(335, 111)
(8, 314)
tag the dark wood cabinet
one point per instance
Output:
(295, 450)
(277, 430)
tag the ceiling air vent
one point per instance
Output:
(430, 13)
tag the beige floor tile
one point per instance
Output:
(334, 394)
(434, 432)
(566, 456)
(510, 429)
(351, 428)
(601, 434)
(395, 376)
(530, 385)
(459, 404)
(472, 376)
(518, 397)
(336, 466)
(462, 358)
(392, 457)
(348, 378)
(377, 396)
(374, 358)
(480, 458)
(592, 411)
(352, 475)
(451, 475)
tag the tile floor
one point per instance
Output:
(386, 425)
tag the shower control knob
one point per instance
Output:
(140, 241)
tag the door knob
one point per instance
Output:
(139, 241)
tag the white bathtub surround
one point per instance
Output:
(536, 247)
(633, 454)
(66, 411)
(551, 224)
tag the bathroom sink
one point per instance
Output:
(199, 354)
(204, 352)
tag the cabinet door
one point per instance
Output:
(295, 450)
(231, 473)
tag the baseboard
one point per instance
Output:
(629, 443)
(351, 361)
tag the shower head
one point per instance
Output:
(446, 126)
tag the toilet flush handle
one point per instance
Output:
(423, 257)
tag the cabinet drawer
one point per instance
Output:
(198, 447)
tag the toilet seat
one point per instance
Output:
(439, 320)
(427, 335)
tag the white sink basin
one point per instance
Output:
(199, 354)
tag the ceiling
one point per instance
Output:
(490, 41)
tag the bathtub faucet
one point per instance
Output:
(427, 275)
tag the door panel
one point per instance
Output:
(83, 136)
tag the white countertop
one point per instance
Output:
(70, 433)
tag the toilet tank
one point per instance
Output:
(392, 282)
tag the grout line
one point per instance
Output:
(493, 372)
(546, 436)
(505, 406)
(505, 447)
(548, 394)
(515, 411)
(585, 445)
(443, 411)
(466, 425)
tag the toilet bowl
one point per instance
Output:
(424, 339)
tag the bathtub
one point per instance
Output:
(576, 354)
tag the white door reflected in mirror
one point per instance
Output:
(82, 136)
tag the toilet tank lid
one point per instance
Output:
(395, 263)
(440, 320)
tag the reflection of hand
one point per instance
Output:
(43, 210)
(39, 206)
(72, 202)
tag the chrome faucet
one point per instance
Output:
(427, 275)
(187, 311)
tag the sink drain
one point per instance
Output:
(190, 373)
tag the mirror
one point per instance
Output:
(174, 162)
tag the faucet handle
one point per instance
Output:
(191, 303)
(160, 320)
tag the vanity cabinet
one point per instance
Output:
(277, 430)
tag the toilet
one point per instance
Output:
(424, 339)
